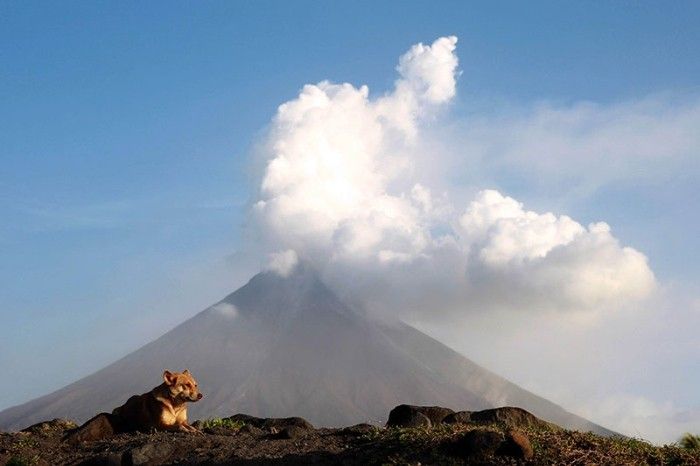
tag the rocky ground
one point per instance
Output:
(415, 435)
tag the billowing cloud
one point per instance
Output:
(341, 189)
(333, 152)
(535, 254)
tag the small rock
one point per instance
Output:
(510, 416)
(149, 454)
(198, 424)
(517, 445)
(479, 442)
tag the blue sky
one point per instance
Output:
(126, 130)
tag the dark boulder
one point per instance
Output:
(460, 417)
(510, 416)
(517, 445)
(484, 443)
(416, 416)
(416, 420)
(478, 443)
(149, 454)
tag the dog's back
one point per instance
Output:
(140, 412)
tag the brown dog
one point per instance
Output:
(163, 408)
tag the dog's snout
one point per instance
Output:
(199, 396)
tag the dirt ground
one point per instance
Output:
(218, 446)
(358, 445)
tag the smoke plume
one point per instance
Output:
(342, 190)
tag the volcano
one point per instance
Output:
(288, 346)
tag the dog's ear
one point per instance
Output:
(186, 372)
(168, 377)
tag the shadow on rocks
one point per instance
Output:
(483, 443)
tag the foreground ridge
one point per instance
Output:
(413, 435)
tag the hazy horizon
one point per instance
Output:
(520, 183)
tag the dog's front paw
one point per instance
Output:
(190, 429)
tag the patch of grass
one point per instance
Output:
(576, 447)
(418, 445)
(17, 461)
(25, 442)
(551, 446)
(690, 442)
(425, 435)
(225, 423)
(21, 461)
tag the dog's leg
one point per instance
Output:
(190, 428)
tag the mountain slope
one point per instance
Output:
(288, 346)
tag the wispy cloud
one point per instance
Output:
(49, 215)
(575, 149)
(640, 417)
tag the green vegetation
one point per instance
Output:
(690, 442)
(20, 448)
(225, 423)
(20, 461)
(567, 446)
(25, 442)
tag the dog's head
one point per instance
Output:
(182, 385)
